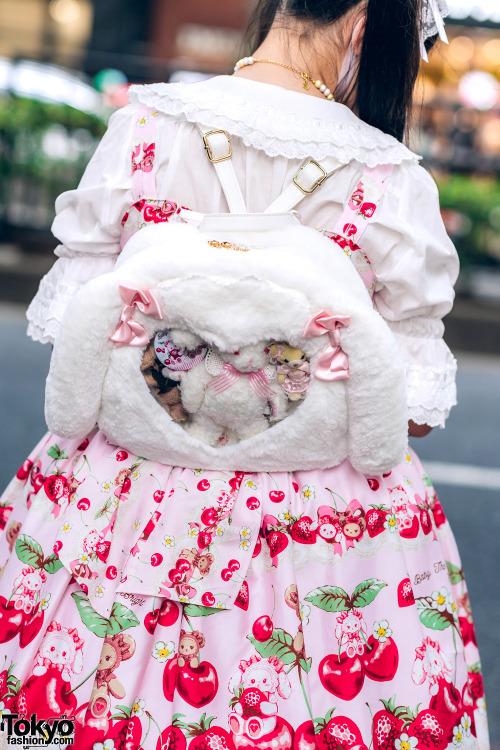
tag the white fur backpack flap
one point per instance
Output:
(199, 351)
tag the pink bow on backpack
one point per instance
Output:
(230, 375)
(333, 362)
(130, 332)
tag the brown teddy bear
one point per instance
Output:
(167, 391)
(115, 649)
(189, 648)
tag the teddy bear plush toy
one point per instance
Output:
(165, 390)
(294, 370)
(235, 392)
(116, 648)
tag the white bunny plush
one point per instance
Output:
(232, 391)
(174, 279)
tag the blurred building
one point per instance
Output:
(460, 91)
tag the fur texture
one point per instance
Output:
(233, 299)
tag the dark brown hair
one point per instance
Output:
(390, 55)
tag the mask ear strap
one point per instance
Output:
(348, 66)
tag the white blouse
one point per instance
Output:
(273, 130)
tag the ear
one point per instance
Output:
(80, 358)
(358, 35)
(284, 685)
(375, 394)
(78, 662)
(235, 681)
(130, 642)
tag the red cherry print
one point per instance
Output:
(121, 456)
(373, 484)
(32, 624)
(111, 572)
(83, 446)
(49, 695)
(305, 738)
(343, 678)
(253, 503)
(226, 574)
(182, 565)
(169, 613)
(203, 485)
(209, 516)
(258, 547)
(233, 565)
(276, 496)
(158, 496)
(175, 575)
(151, 620)
(381, 660)
(387, 475)
(198, 685)
(204, 539)
(83, 504)
(57, 546)
(11, 620)
(170, 674)
(295, 486)
(156, 559)
(25, 469)
(262, 629)
(235, 482)
(84, 588)
(208, 599)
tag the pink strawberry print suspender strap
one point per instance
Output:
(359, 212)
(364, 201)
(143, 154)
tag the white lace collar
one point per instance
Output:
(275, 120)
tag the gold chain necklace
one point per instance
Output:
(306, 78)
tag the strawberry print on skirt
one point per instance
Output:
(177, 608)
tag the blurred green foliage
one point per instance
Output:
(471, 210)
(44, 148)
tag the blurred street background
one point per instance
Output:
(65, 65)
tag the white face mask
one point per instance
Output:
(348, 69)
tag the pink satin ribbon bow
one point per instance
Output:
(230, 375)
(333, 362)
(129, 332)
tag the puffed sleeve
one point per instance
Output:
(87, 223)
(416, 266)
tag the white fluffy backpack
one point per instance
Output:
(261, 326)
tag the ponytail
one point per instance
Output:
(390, 55)
(389, 64)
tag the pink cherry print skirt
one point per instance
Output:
(161, 607)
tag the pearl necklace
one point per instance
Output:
(306, 79)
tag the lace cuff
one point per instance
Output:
(57, 287)
(430, 370)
